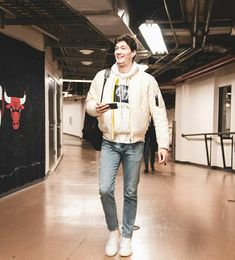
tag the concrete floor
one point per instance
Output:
(184, 213)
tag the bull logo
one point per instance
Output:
(15, 104)
(0, 104)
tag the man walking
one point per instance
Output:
(137, 97)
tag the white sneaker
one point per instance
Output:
(112, 244)
(125, 247)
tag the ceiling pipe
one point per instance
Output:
(192, 51)
(182, 10)
(195, 22)
(171, 62)
(186, 53)
(178, 59)
(206, 26)
(169, 18)
(206, 69)
(174, 34)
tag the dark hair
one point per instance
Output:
(129, 39)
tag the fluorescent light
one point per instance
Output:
(86, 63)
(153, 37)
(86, 52)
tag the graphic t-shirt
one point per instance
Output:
(121, 115)
(121, 93)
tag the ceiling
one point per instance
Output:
(196, 32)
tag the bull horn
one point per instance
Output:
(22, 100)
(7, 99)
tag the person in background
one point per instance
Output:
(150, 147)
(137, 97)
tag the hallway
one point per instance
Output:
(184, 213)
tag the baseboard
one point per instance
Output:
(206, 166)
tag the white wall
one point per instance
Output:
(73, 116)
(197, 112)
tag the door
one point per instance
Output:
(51, 105)
(58, 121)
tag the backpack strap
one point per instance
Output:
(106, 75)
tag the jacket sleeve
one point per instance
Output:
(158, 112)
(93, 95)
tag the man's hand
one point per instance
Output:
(162, 155)
(102, 108)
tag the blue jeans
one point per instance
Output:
(112, 155)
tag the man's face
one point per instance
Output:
(123, 54)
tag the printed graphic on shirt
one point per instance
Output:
(121, 93)
(121, 116)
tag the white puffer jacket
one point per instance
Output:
(145, 99)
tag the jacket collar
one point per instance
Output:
(134, 69)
